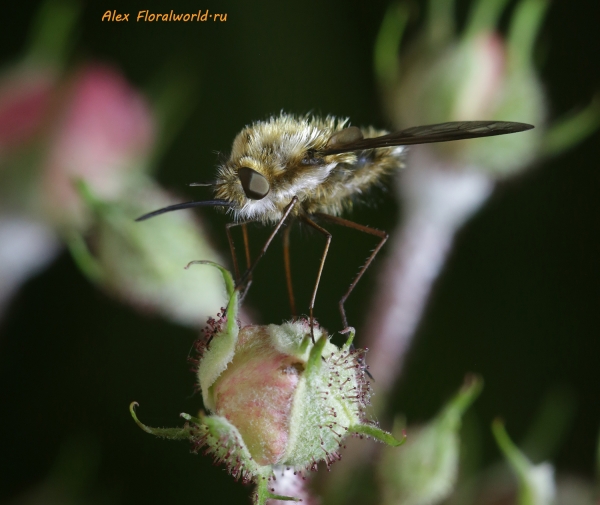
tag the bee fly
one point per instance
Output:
(308, 168)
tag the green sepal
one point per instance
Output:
(377, 434)
(262, 493)
(219, 427)
(523, 31)
(184, 433)
(426, 470)
(173, 93)
(440, 24)
(314, 360)
(228, 447)
(483, 17)
(229, 284)
(536, 482)
(83, 257)
(232, 293)
(80, 252)
(568, 131)
(193, 419)
(85, 192)
(52, 33)
(304, 345)
(387, 44)
(222, 348)
(458, 405)
(350, 339)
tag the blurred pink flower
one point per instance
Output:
(485, 79)
(103, 137)
(25, 99)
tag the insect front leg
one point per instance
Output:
(228, 227)
(288, 270)
(262, 252)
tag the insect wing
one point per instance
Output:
(443, 132)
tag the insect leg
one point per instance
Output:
(323, 257)
(228, 227)
(288, 270)
(365, 229)
(262, 252)
(246, 244)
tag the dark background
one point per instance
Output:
(517, 303)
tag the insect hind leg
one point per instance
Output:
(365, 229)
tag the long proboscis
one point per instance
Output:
(185, 205)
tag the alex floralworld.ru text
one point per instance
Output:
(171, 16)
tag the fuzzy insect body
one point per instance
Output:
(309, 168)
(288, 152)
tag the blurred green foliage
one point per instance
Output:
(518, 302)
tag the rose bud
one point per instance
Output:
(104, 135)
(277, 399)
(447, 76)
(143, 263)
(475, 75)
(25, 97)
(425, 472)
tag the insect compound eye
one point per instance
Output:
(254, 184)
(343, 137)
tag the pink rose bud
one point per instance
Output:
(25, 98)
(277, 399)
(103, 136)
(478, 75)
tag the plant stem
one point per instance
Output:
(437, 200)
